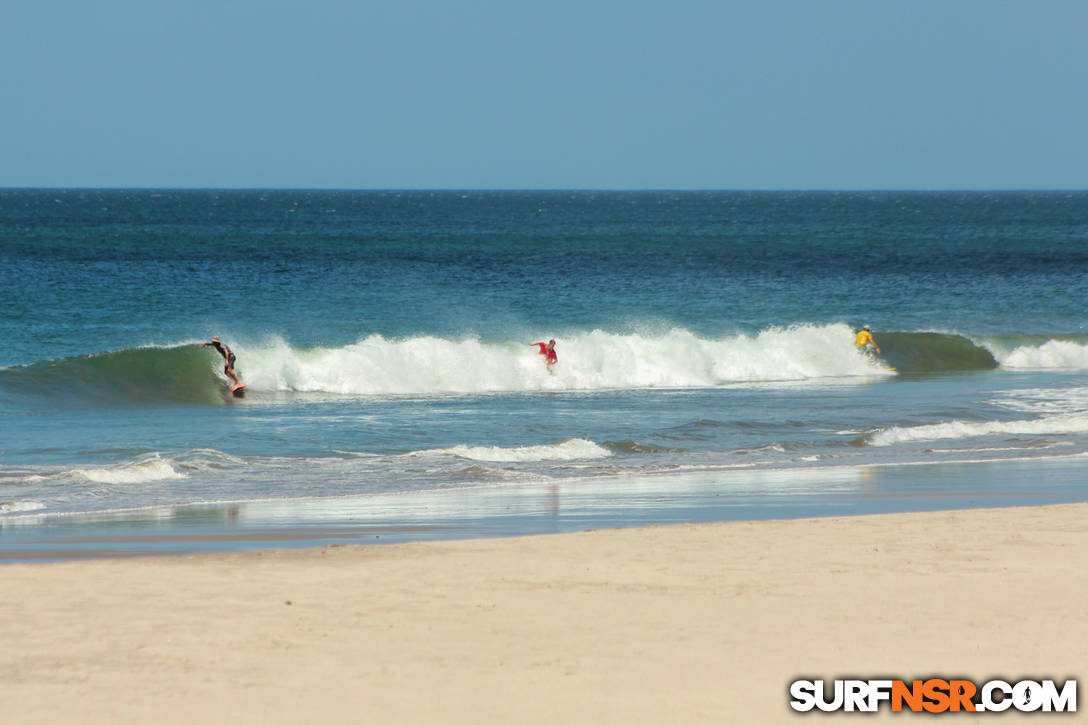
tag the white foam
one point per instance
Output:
(1051, 355)
(569, 450)
(151, 469)
(1045, 400)
(1053, 425)
(10, 507)
(587, 361)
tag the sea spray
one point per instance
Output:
(594, 360)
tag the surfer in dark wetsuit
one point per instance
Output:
(228, 358)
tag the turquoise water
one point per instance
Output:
(384, 337)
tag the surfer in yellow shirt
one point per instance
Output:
(865, 339)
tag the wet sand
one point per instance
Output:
(681, 623)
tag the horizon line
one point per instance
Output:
(558, 189)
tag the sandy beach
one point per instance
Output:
(680, 623)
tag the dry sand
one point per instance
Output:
(687, 623)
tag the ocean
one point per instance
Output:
(706, 366)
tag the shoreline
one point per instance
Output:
(563, 505)
(683, 622)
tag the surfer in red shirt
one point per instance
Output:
(547, 349)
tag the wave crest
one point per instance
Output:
(568, 450)
(1053, 425)
(1051, 355)
(596, 360)
(588, 360)
(145, 471)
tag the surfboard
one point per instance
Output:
(239, 390)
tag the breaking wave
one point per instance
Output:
(588, 360)
(569, 450)
(1053, 425)
(1051, 355)
(145, 471)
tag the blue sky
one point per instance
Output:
(594, 94)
